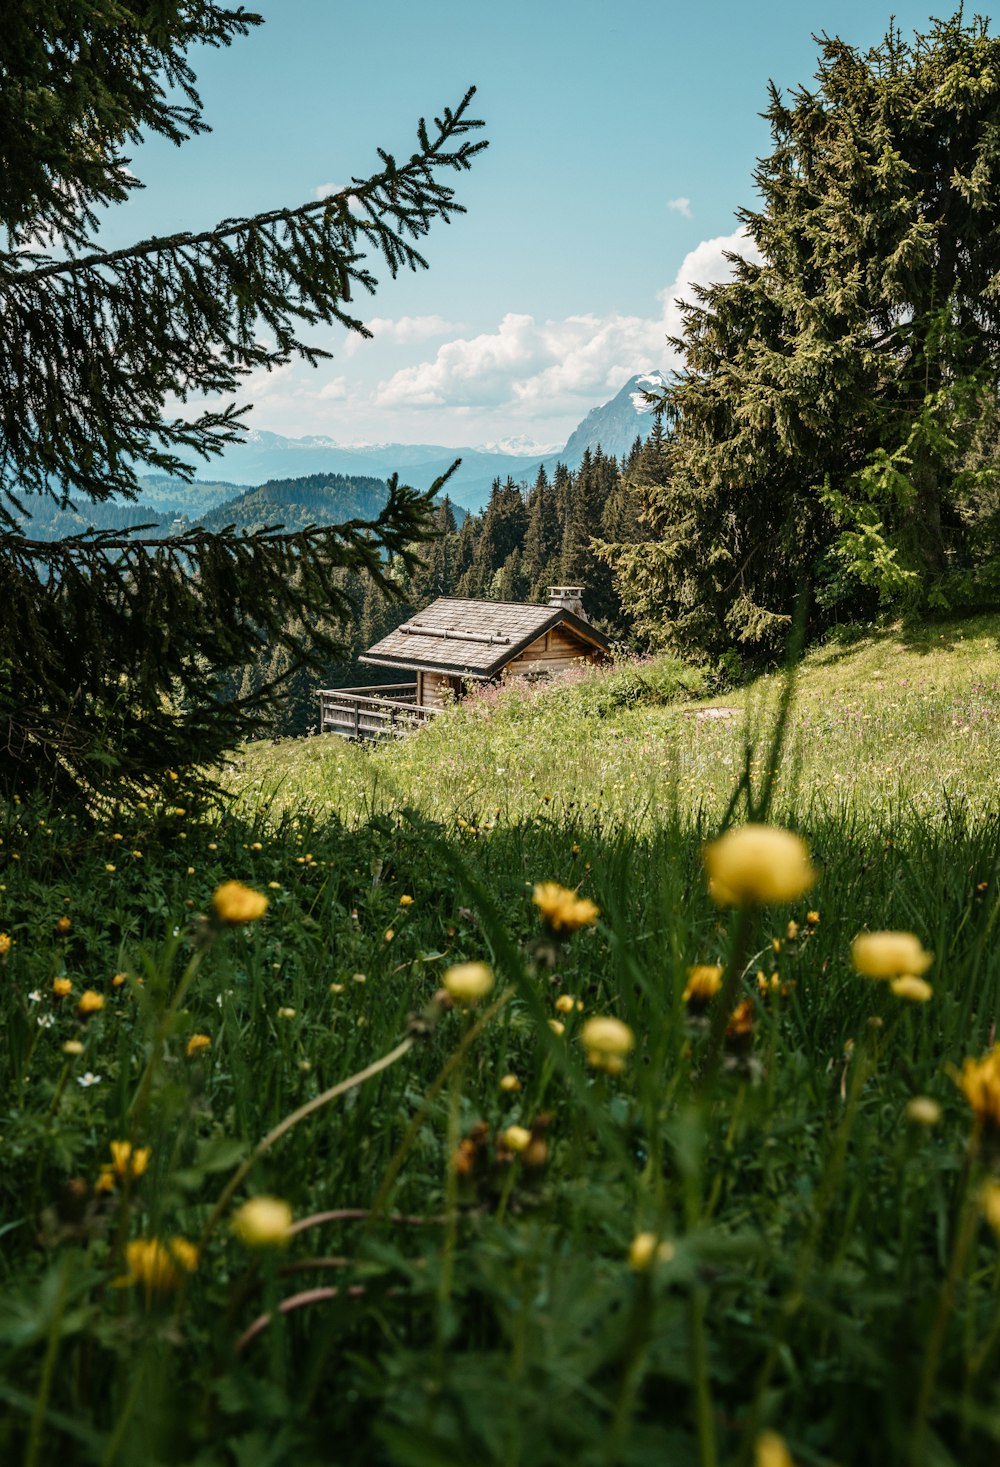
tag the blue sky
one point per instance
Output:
(622, 140)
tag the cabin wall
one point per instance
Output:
(437, 689)
(554, 652)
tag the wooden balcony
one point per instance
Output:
(372, 713)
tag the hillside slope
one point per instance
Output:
(896, 719)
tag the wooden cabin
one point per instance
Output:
(455, 643)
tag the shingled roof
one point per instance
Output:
(474, 639)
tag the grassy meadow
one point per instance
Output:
(766, 1233)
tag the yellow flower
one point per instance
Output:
(263, 1222)
(406, 900)
(72, 1047)
(703, 982)
(197, 1044)
(923, 1111)
(61, 987)
(646, 1249)
(979, 1082)
(989, 1201)
(467, 983)
(119, 980)
(561, 909)
(235, 903)
(129, 1161)
(771, 1451)
(106, 1181)
(889, 955)
(517, 1138)
(758, 863)
(63, 925)
(607, 1041)
(6, 943)
(158, 1266)
(286, 1013)
(917, 990)
(557, 1027)
(110, 867)
(91, 1002)
(565, 1003)
(510, 1084)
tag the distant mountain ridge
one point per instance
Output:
(264, 456)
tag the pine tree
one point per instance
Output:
(542, 539)
(113, 651)
(833, 396)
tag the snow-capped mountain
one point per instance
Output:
(265, 456)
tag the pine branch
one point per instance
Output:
(90, 348)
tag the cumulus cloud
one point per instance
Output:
(542, 368)
(680, 206)
(402, 330)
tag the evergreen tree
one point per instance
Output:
(542, 539)
(113, 652)
(829, 415)
(594, 483)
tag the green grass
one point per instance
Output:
(829, 1274)
(887, 721)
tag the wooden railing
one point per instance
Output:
(372, 713)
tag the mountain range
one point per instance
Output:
(264, 456)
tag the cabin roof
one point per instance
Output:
(474, 639)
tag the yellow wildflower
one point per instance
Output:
(607, 1041)
(61, 987)
(235, 903)
(510, 1084)
(923, 1111)
(771, 1451)
(129, 1161)
(6, 943)
(406, 900)
(159, 1266)
(263, 1222)
(979, 1082)
(916, 990)
(467, 983)
(91, 1002)
(565, 1003)
(197, 1044)
(106, 1181)
(557, 1026)
(758, 863)
(561, 909)
(703, 982)
(72, 1047)
(517, 1138)
(63, 925)
(646, 1249)
(889, 955)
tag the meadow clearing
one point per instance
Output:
(755, 1221)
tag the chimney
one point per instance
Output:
(568, 598)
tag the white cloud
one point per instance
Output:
(541, 369)
(403, 330)
(680, 206)
(327, 190)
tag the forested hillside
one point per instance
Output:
(318, 499)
